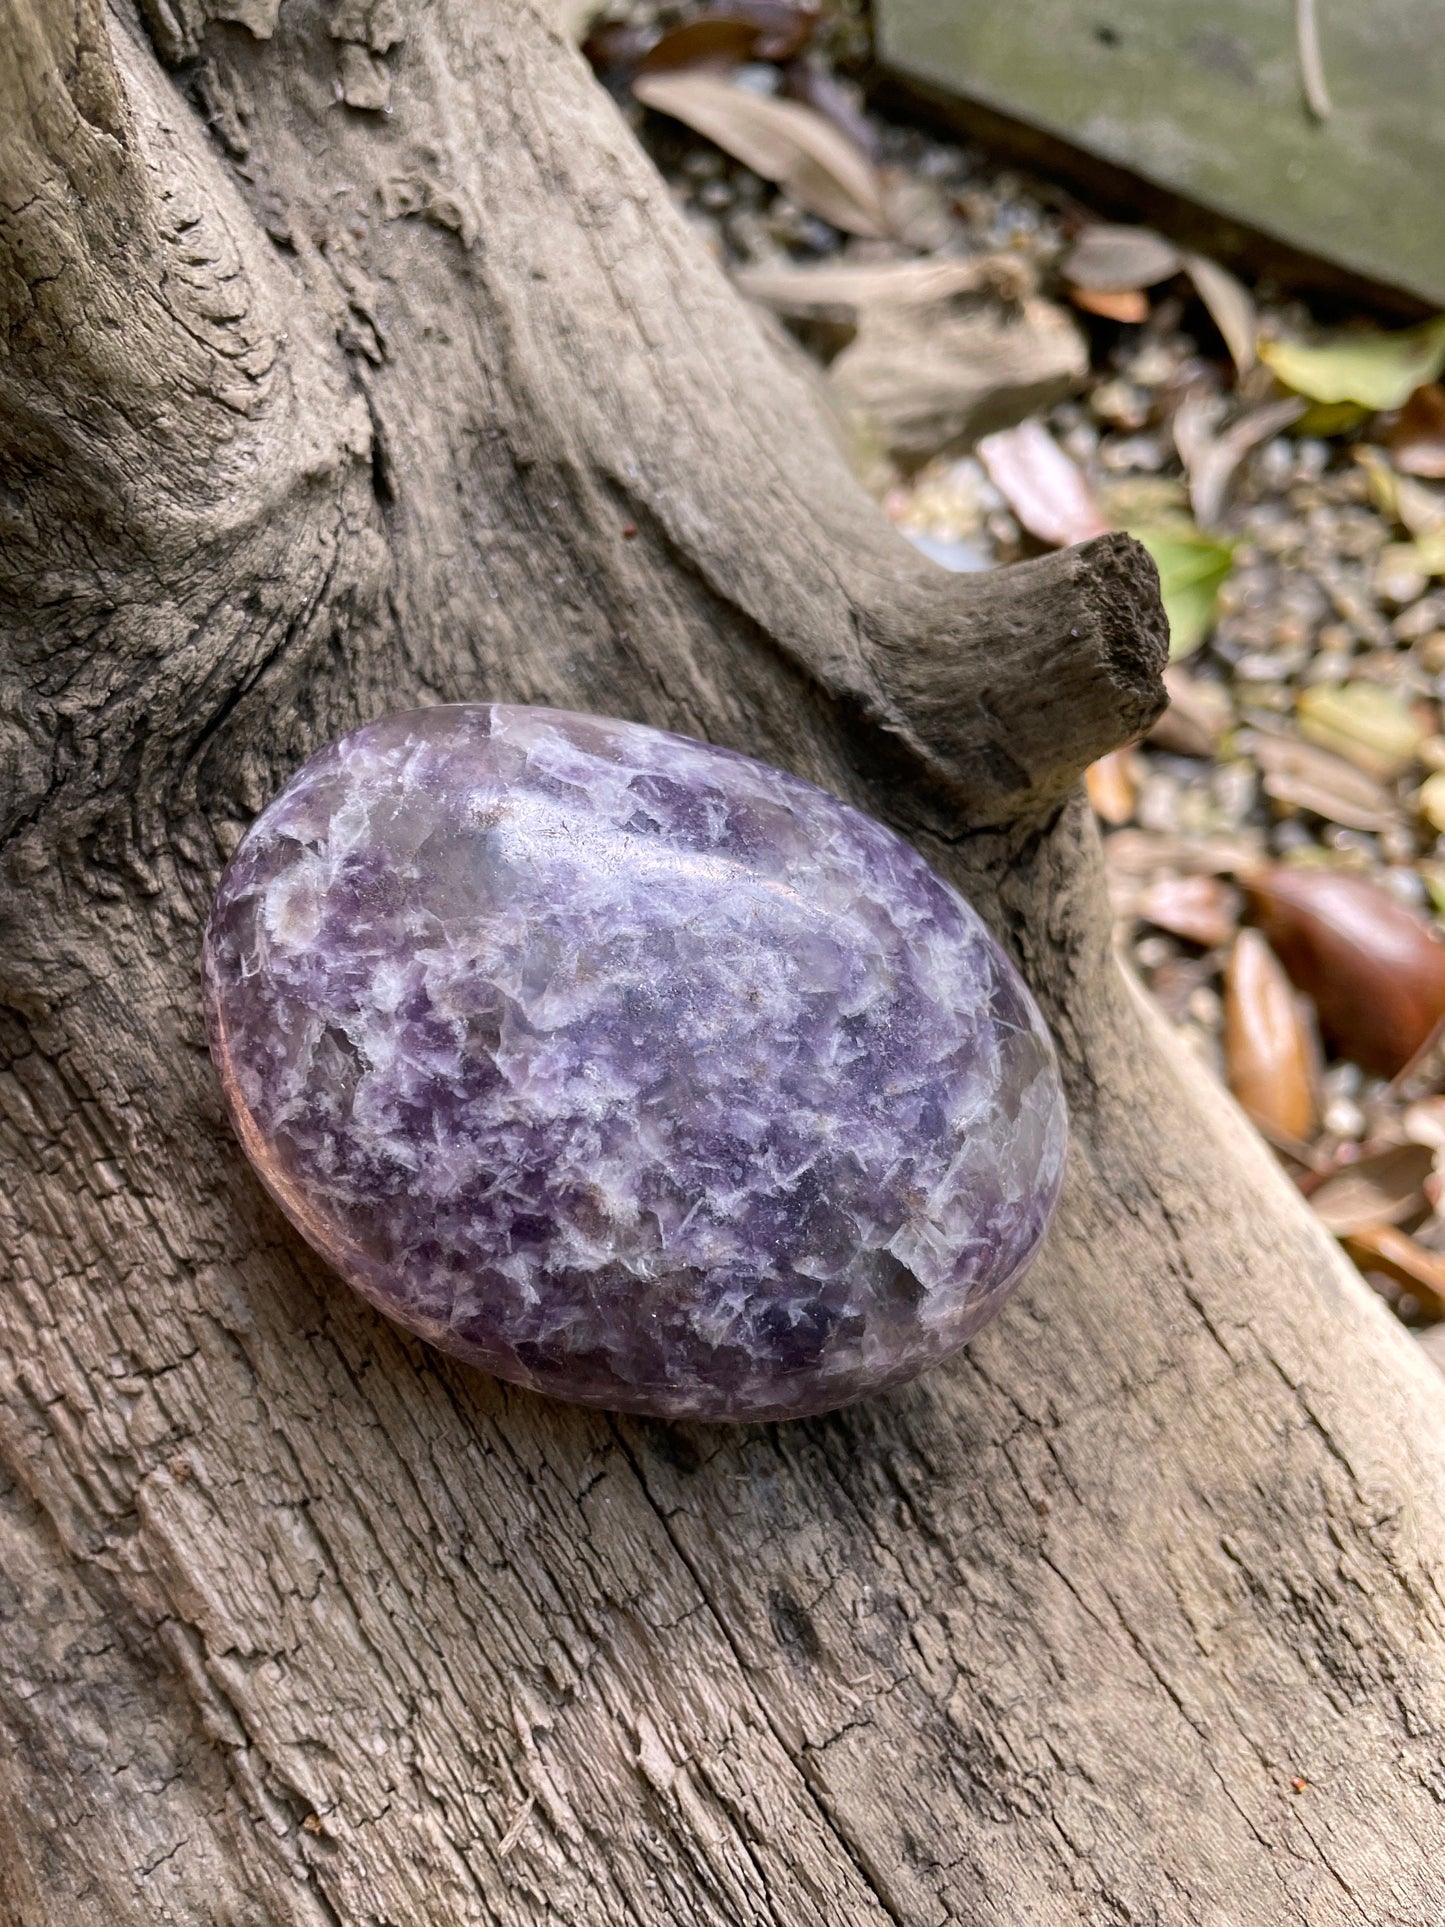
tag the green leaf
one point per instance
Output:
(1331, 419)
(1373, 371)
(1193, 567)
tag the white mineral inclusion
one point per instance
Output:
(629, 1068)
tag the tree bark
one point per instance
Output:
(310, 410)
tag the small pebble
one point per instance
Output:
(1344, 1118)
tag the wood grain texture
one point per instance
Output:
(1131, 1615)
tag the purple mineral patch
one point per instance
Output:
(628, 1068)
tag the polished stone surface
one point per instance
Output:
(629, 1068)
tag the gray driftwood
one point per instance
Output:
(309, 410)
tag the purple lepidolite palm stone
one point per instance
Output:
(629, 1068)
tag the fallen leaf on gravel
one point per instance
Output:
(1114, 258)
(1211, 455)
(942, 351)
(1140, 853)
(782, 140)
(1421, 509)
(1317, 780)
(810, 82)
(1332, 419)
(845, 292)
(729, 34)
(1382, 478)
(613, 48)
(1383, 1187)
(715, 41)
(1128, 305)
(1231, 308)
(1110, 783)
(1372, 371)
(1415, 507)
(1398, 1257)
(1422, 558)
(1193, 426)
(1042, 485)
(1417, 440)
(1198, 716)
(1201, 909)
(1193, 568)
(1266, 1045)
(1374, 970)
(1369, 725)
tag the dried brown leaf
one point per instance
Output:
(784, 30)
(811, 82)
(1418, 509)
(1129, 305)
(728, 34)
(845, 292)
(1197, 718)
(1043, 487)
(1398, 1257)
(1211, 455)
(1317, 780)
(1373, 969)
(1110, 783)
(1140, 853)
(782, 140)
(616, 48)
(1417, 440)
(717, 43)
(1201, 909)
(1231, 308)
(1383, 1187)
(1110, 258)
(1266, 1043)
